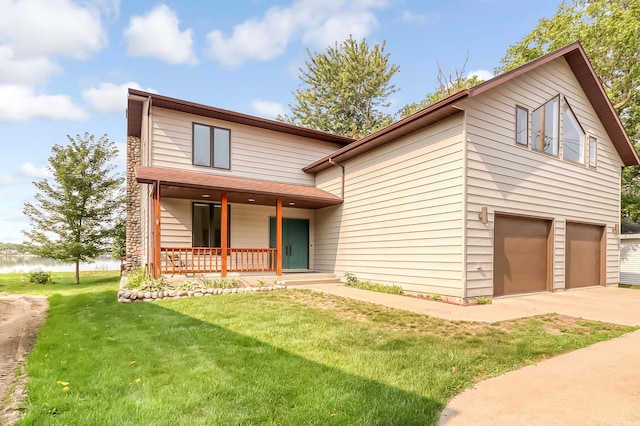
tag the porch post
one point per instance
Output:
(156, 230)
(224, 244)
(279, 237)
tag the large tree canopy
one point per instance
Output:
(344, 90)
(609, 31)
(74, 216)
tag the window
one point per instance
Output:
(206, 224)
(593, 150)
(211, 146)
(522, 126)
(572, 136)
(545, 127)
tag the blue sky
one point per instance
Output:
(65, 65)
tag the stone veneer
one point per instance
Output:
(134, 232)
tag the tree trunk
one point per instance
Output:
(77, 272)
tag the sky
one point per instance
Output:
(65, 65)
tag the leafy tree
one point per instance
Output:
(73, 218)
(344, 90)
(609, 31)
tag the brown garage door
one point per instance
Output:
(520, 255)
(583, 255)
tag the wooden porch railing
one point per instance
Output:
(200, 260)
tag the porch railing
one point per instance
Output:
(200, 260)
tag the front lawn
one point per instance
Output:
(288, 357)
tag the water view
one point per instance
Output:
(31, 263)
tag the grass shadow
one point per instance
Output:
(143, 363)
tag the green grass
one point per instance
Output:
(631, 286)
(277, 358)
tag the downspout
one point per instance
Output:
(333, 163)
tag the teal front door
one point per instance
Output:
(295, 242)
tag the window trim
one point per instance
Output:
(526, 130)
(211, 146)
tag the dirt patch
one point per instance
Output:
(20, 321)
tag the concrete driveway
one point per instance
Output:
(597, 385)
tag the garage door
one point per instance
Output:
(520, 255)
(583, 254)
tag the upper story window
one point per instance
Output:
(545, 126)
(211, 146)
(593, 150)
(573, 137)
(522, 126)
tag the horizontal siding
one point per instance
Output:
(255, 153)
(401, 221)
(630, 261)
(508, 178)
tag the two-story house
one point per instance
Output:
(510, 187)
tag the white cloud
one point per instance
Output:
(21, 103)
(51, 27)
(157, 35)
(320, 23)
(417, 18)
(109, 97)
(340, 27)
(267, 109)
(8, 179)
(15, 70)
(481, 74)
(31, 171)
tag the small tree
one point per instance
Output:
(344, 90)
(73, 217)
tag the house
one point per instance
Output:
(509, 187)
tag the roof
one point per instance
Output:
(577, 59)
(137, 97)
(206, 186)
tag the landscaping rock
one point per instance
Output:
(141, 295)
(172, 293)
(209, 291)
(182, 293)
(154, 294)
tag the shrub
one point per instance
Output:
(353, 281)
(435, 296)
(40, 277)
(136, 277)
(482, 300)
(140, 279)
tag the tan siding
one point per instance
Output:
(630, 259)
(402, 217)
(511, 179)
(255, 153)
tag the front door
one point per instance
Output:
(295, 242)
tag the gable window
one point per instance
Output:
(211, 146)
(593, 149)
(206, 220)
(545, 127)
(522, 126)
(572, 136)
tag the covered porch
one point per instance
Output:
(223, 257)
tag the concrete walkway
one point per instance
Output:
(597, 385)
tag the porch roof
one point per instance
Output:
(208, 187)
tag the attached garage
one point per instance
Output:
(584, 263)
(521, 255)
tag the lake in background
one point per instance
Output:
(30, 263)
